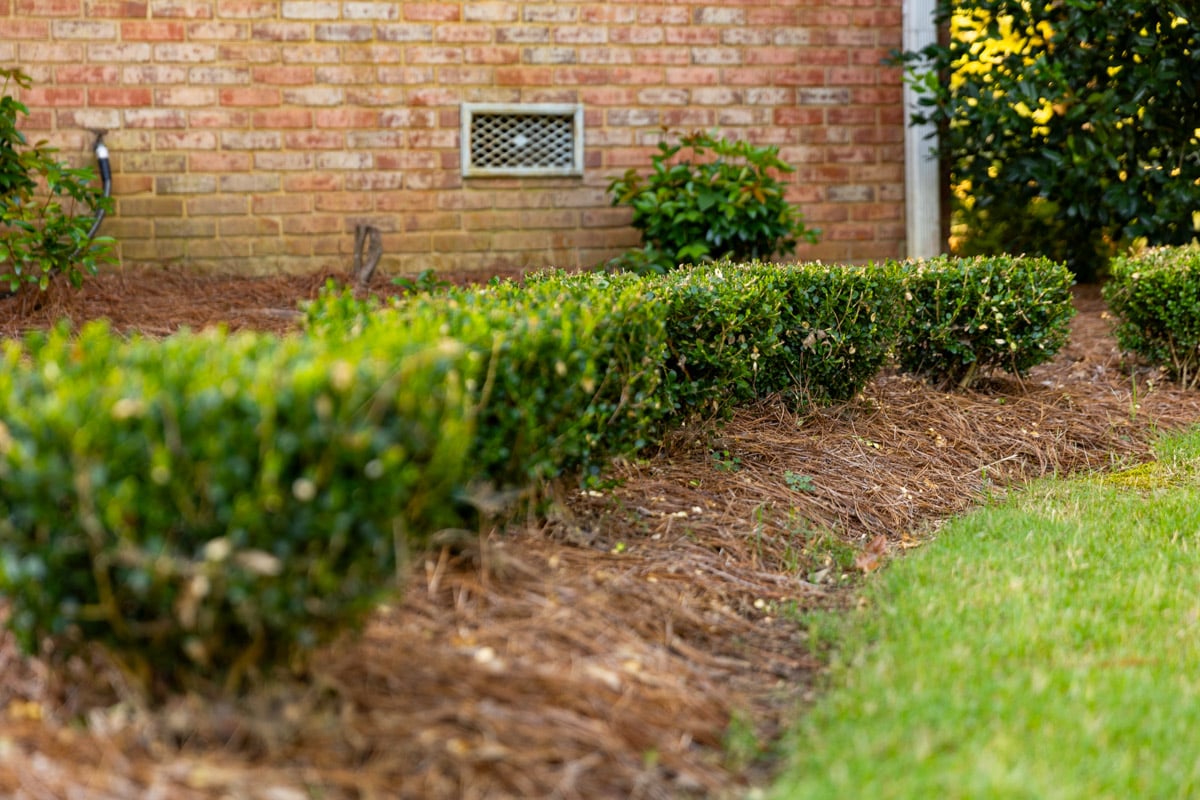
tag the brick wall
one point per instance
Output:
(254, 135)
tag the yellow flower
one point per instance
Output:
(1043, 114)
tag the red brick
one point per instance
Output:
(693, 36)
(280, 32)
(525, 77)
(38, 59)
(651, 16)
(431, 12)
(217, 31)
(344, 32)
(344, 201)
(217, 119)
(80, 73)
(119, 96)
(155, 118)
(636, 76)
(773, 17)
(662, 55)
(152, 31)
(852, 76)
(689, 118)
(189, 52)
(375, 54)
(132, 9)
(344, 75)
(181, 9)
(637, 35)
(346, 118)
(370, 131)
(24, 29)
(193, 96)
(282, 118)
(185, 140)
(48, 8)
(607, 14)
(522, 34)
(249, 96)
(283, 76)
(462, 34)
(693, 76)
(282, 204)
(604, 55)
(491, 55)
(217, 206)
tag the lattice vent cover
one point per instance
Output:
(522, 140)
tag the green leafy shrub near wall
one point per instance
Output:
(720, 199)
(1156, 296)
(46, 206)
(208, 506)
(972, 315)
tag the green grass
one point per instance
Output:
(1046, 647)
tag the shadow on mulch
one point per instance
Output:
(645, 641)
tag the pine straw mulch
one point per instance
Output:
(609, 650)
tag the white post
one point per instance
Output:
(922, 194)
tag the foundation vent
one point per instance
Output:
(534, 139)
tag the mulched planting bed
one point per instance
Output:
(643, 641)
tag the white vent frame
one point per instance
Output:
(567, 157)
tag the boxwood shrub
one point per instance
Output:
(840, 327)
(813, 332)
(969, 316)
(1155, 295)
(571, 365)
(570, 375)
(210, 506)
(723, 321)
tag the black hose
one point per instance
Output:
(101, 151)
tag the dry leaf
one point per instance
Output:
(871, 557)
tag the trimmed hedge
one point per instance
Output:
(841, 325)
(208, 506)
(813, 332)
(571, 366)
(972, 315)
(1156, 296)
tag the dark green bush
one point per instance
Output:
(720, 200)
(840, 327)
(1070, 125)
(571, 371)
(46, 207)
(571, 365)
(972, 315)
(723, 321)
(813, 332)
(1156, 297)
(208, 507)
